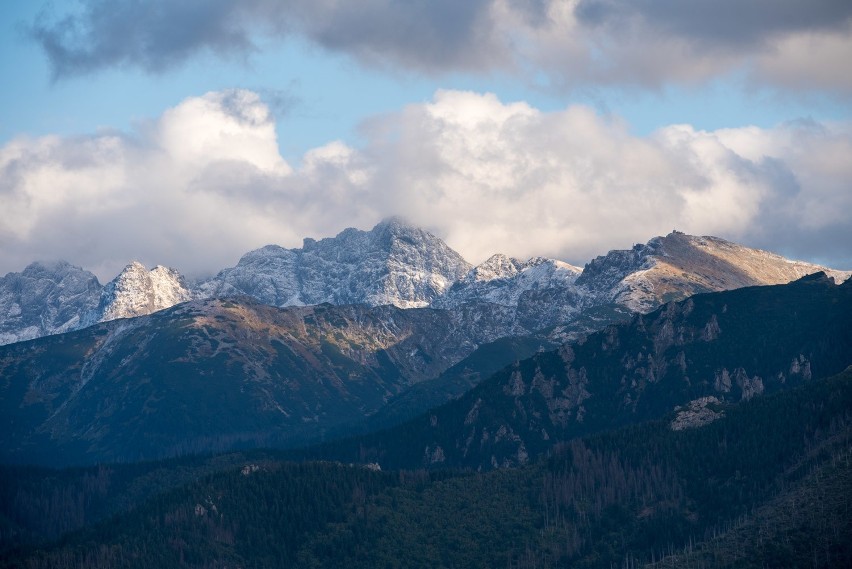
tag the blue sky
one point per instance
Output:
(335, 84)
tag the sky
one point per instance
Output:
(188, 133)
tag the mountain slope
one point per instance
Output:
(732, 345)
(211, 375)
(396, 263)
(503, 280)
(677, 266)
(544, 294)
(454, 382)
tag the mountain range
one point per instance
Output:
(217, 374)
(405, 266)
(346, 335)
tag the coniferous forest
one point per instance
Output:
(769, 484)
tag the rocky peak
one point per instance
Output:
(394, 263)
(45, 298)
(402, 265)
(136, 291)
(678, 265)
(498, 266)
(606, 271)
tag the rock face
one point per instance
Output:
(528, 295)
(136, 291)
(697, 413)
(394, 263)
(45, 298)
(541, 294)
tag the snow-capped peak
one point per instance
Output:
(503, 280)
(400, 264)
(497, 266)
(394, 263)
(136, 291)
(679, 265)
(45, 298)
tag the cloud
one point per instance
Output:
(157, 35)
(787, 44)
(721, 24)
(571, 184)
(429, 35)
(204, 182)
(104, 199)
(154, 35)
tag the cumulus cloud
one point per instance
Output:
(205, 182)
(788, 44)
(571, 184)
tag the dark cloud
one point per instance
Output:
(157, 35)
(722, 24)
(791, 44)
(426, 34)
(534, 12)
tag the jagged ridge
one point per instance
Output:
(401, 265)
(394, 263)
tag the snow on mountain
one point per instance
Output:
(679, 265)
(136, 291)
(405, 266)
(394, 263)
(268, 274)
(544, 293)
(504, 280)
(45, 298)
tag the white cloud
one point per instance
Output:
(205, 183)
(230, 125)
